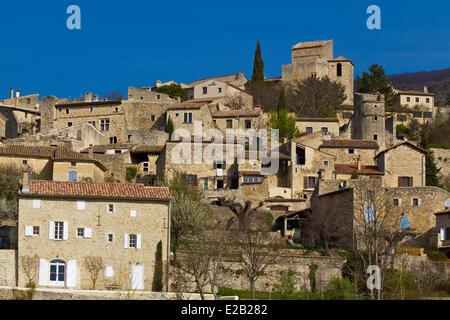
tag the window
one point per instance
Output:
(428, 100)
(248, 124)
(110, 208)
(205, 184)
(191, 180)
(104, 125)
(35, 231)
(408, 99)
(25, 162)
(145, 167)
(229, 124)
(73, 164)
(415, 202)
(158, 96)
(339, 70)
(176, 115)
(309, 182)
(325, 163)
(220, 184)
(417, 114)
(109, 272)
(369, 213)
(92, 123)
(405, 181)
(112, 140)
(404, 223)
(132, 241)
(69, 124)
(253, 179)
(153, 117)
(80, 232)
(81, 205)
(110, 238)
(375, 118)
(67, 111)
(220, 90)
(132, 213)
(375, 137)
(428, 115)
(73, 176)
(396, 202)
(417, 99)
(116, 109)
(205, 90)
(351, 151)
(59, 230)
(91, 109)
(36, 204)
(57, 273)
(188, 117)
(118, 151)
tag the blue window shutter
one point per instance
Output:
(369, 213)
(404, 223)
(72, 176)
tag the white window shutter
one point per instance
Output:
(51, 230)
(28, 231)
(138, 241)
(87, 232)
(81, 205)
(43, 272)
(109, 272)
(137, 277)
(133, 213)
(443, 234)
(66, 231)
(71, 273)
(125, 241)
(36, 204)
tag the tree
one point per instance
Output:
(255, 255)
(29, 265)
(265, 94)
(376, 82)
(282, 104)
(243, 211)
(174, 91)
(170, 128)
(258, 65)
(287, 283)
(158, 272)
(197, 263)
(93, 265)
(431, 170)
(316, 97)
(284, 122)
(235, 101)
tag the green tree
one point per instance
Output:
(376, 81)
(170, 128)
(173, 90)
(316, 97)
(287, 284)
(282, 120)
(432, 171)
(258, 65)
(158, 272)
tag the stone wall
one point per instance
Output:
(442, 158)
(8, 267)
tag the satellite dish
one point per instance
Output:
(342, 184)
(447, 204)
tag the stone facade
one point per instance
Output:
(326, 126)
(8, 260)
(107, 224)
(442, 158)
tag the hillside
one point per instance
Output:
(437, 81)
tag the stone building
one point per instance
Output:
(238, 119)
(53, 163)
(237, 80)
(64, 222)
(328, 126)
(18, 121)
(420, 105)
(183, 115)
(30, 102)
(348, 151)
(316, 59)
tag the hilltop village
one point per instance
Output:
(95, 181)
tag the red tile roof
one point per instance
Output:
(403, 143)
(96, 190)
(358, 144)
(350, 168)
(237, 113)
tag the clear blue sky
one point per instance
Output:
(134, 43)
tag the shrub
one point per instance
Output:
(131, 173)
(436, 256)
(287, 284)
(339, 289)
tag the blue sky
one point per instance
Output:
(134, 43)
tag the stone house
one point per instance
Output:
(419, 104)
(17, 121)
(348, 151)
(238, 119)
(185, 114)
(443, 229)
(328, 126)
(237, 80)
(316, 59)
(403, 165)
(64, 222)
(53, 163)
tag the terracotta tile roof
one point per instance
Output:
(350, 168)
(88, 103)
(317, 119)
(341, 58)
(402, 143)
(96, 190)
(417, 93)
(148, 149)
(358, 144)
(237, 113)
(51, 153)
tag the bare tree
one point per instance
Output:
(256, 256)
(93, 265)
(235, 101)
(197, 263)
(242, 211)
(29, 265)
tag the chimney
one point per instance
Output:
(95, 97)
(358, 163)
(11, 94)
(26, 179)
(425, 89)
(88, 97)
(17, 94)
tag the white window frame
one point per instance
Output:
(133, 213)
(78, 235)
(36, 204)
(81, 205)
(109, 272)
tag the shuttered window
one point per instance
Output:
(405, 181)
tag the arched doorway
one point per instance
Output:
(57, 273)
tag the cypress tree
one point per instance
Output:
(158, 272)
(170, 128)
(258, 65)
(431, 169)
(282, 101)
